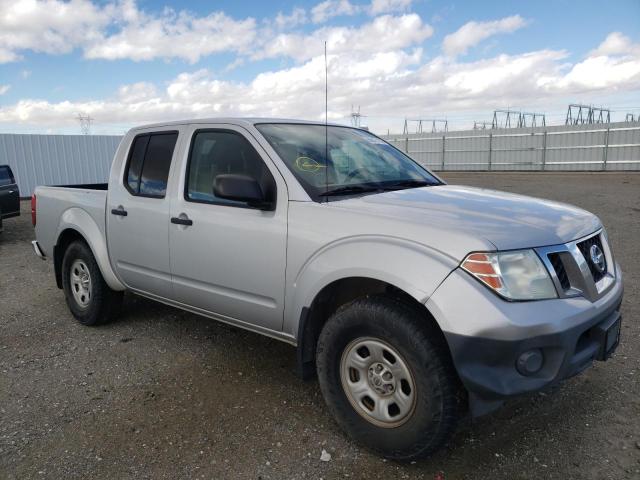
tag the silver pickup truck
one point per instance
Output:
(414, 301)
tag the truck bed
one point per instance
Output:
(54, 202)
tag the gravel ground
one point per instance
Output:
(166, 394)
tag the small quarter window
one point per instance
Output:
(135, 163)
(149, 163)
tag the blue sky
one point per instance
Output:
(126, 62)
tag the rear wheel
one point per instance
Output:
(387, 377)
(89, 298)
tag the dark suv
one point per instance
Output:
(9, 194)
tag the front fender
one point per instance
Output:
(79, 220)
(410, 266)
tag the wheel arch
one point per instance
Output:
(335, 295)
(77, 224)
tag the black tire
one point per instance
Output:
(103, 303)
(439, 395)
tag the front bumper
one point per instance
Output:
(487, 335)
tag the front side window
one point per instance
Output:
(6, 177)
(332, 161)
(149, 162)
(217, 152)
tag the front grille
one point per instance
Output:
(574, 272)
(561, 272)
(585, 248)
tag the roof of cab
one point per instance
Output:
(243, 121)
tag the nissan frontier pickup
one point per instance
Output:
(415, 302)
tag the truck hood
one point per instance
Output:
(507, 220)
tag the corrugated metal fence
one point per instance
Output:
(57, 159)
(613, 146)
(72, 159)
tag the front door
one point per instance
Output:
(138, 215)
(226, 257)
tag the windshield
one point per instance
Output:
(358, 162)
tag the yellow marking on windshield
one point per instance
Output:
(307, 164)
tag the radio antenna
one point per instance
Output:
(326, 123)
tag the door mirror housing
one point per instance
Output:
(241, 188)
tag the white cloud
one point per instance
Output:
(599, 73)
(615, 44)
(385, 33)
(472, 33)
(327, 9)
(120, 29)
(332, 8)
(4, 89)
(298, 16)
(49, 26)
(174, 35)
(385, 6)
(137, 92)
(379, 65)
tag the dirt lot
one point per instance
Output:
(167, 394)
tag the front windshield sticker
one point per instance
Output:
(307, 164)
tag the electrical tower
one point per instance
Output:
(85, 123)
(356, 117)
(630, 117)
(586, 114)
(482, 125)
(517, 119)
(437, 125)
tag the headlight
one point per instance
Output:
(516, 275)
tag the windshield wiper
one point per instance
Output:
(401, 184)
(350, 190)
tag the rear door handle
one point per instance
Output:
(182, 221)
(119, 211)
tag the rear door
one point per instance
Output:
(9, 194)
(230, 259)
(138, 213)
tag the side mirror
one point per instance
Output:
(240, 188)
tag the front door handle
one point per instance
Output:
(120, 211)
(182, 221)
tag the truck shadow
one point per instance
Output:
(540, 429)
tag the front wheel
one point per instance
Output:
(89, 298)
(387, 377)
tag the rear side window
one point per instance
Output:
(149, 162)
(6, 177)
